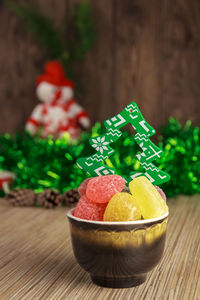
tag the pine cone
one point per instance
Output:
(21, 197)
(70, 197)
(48, 198)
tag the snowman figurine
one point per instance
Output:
(59, 112)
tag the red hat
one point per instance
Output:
(55, 75)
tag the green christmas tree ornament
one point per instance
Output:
(129, 115)
(93, 164)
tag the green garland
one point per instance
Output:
(181, 157)
(69, 44)
(48, 163)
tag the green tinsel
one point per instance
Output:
(48, 163)
(181, 159)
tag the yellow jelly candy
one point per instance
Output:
(122, 207)
(149, 200)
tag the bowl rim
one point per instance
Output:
(138, 222)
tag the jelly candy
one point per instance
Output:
(148, 198)
(83, 186)
(101, 189)
(162, 194)
(122, 207)
(88, 210)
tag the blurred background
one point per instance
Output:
(148, 51)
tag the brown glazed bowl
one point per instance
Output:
(118, 254)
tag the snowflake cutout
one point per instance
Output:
(100, 144)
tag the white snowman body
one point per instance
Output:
(58, 113)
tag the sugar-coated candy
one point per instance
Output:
(101, 189)
(162, 194)
(83, 186)
(122, 207)
(88, 210)
(148, 198)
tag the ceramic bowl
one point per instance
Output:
(118, 254)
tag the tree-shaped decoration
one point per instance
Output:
(129, 115)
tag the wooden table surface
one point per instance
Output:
(36, 259)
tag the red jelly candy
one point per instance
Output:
(88, 210)
(83, 186)
(101, 189)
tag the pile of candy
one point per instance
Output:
(106, 198)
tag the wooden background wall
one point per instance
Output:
(148, 51)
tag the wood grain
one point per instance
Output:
(36, 259)
(180, 45)
(148, 51)
(138, 61)
(96, 70)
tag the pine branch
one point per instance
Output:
(84, 29)
(41, 26)
(68, 48)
